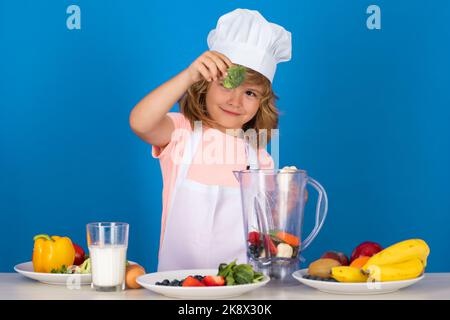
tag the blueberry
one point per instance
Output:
(158, 283)
(320, 279)
(166, 282)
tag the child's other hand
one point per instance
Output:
(211, 65)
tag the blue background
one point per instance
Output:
(365, 112)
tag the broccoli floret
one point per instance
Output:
(235, 77)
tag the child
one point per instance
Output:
(202, 223)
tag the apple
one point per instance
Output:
(367, 248)
(336, 255)
(79, 254)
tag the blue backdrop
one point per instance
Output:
(365, 112)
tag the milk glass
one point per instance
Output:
(108, 243)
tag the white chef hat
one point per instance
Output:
(248, 39)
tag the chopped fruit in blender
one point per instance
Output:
(262, 254)
(255, 251)
(284, 251)
(253, 238)
(288, 238)
(269, 244)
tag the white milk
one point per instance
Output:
(108, 264)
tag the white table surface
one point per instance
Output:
(13, 286)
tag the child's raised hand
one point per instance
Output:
(211, 65)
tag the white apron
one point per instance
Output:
(204, 225)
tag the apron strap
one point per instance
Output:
(252, 156)
(189, 152)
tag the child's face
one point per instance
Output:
(232, 108)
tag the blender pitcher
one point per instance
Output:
(273, 203)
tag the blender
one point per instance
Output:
(273, 203)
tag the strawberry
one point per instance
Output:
(192, 282)
(253, 238)
(211, 281)
(268, 243)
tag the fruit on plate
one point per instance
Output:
(228, 274)
(52, 253)
(348, 274)
(310, 277)
(400, 252)
(336, 255)
(359, 262)
(213, 281)
(409, 269)
(401, 261)
(131, 273)
(79, 254)
(322, 268)
(192, 282)
(367, 248)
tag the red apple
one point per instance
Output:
(367, 248)
(79, 254)
(338, 256)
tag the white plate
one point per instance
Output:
(354, 288)
(221, 292)
(26, 269)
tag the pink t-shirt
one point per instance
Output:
(215, 159)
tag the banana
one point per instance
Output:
(400, 252)
(348, 274)
(394, 272)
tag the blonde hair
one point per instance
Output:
(193, 104)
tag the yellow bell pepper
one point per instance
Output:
(52, 253)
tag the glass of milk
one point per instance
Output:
(108, 243)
